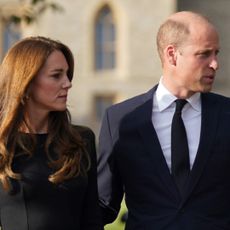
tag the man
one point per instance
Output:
(139, 152)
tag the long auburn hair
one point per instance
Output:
(19, 67)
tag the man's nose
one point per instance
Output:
(214, 64)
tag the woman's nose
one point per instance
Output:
(67, 83)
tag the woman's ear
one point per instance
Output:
(26, 95)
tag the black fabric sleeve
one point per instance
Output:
(91, 218)
(109, 183)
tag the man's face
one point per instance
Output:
(196, 62)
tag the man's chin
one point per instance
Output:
(206, 89)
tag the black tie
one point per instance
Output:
(179, 148)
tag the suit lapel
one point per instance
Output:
(151, 144)
(209, 121)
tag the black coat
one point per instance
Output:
(136, 166)
(36, 204)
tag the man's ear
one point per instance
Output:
(171, 54)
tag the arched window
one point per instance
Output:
(105, 38)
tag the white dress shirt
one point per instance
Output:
(162, 114)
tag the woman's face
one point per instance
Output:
(49, 89)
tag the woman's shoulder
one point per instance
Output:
(84, 131)
(88, 137)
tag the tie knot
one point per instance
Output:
(180, 104)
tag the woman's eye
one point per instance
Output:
(56, 76)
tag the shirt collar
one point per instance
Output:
(164, 98)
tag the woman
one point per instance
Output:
(47, 166)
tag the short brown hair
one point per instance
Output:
(171, 32)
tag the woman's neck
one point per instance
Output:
(35, 124)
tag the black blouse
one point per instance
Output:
(37, 204)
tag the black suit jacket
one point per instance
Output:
(131, 161)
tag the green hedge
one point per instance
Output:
(117, 224)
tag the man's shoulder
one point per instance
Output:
(216, 101)
(131, 103)
(216, 97)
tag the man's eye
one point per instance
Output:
(205, 54)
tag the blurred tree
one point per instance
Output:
(27, 11)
